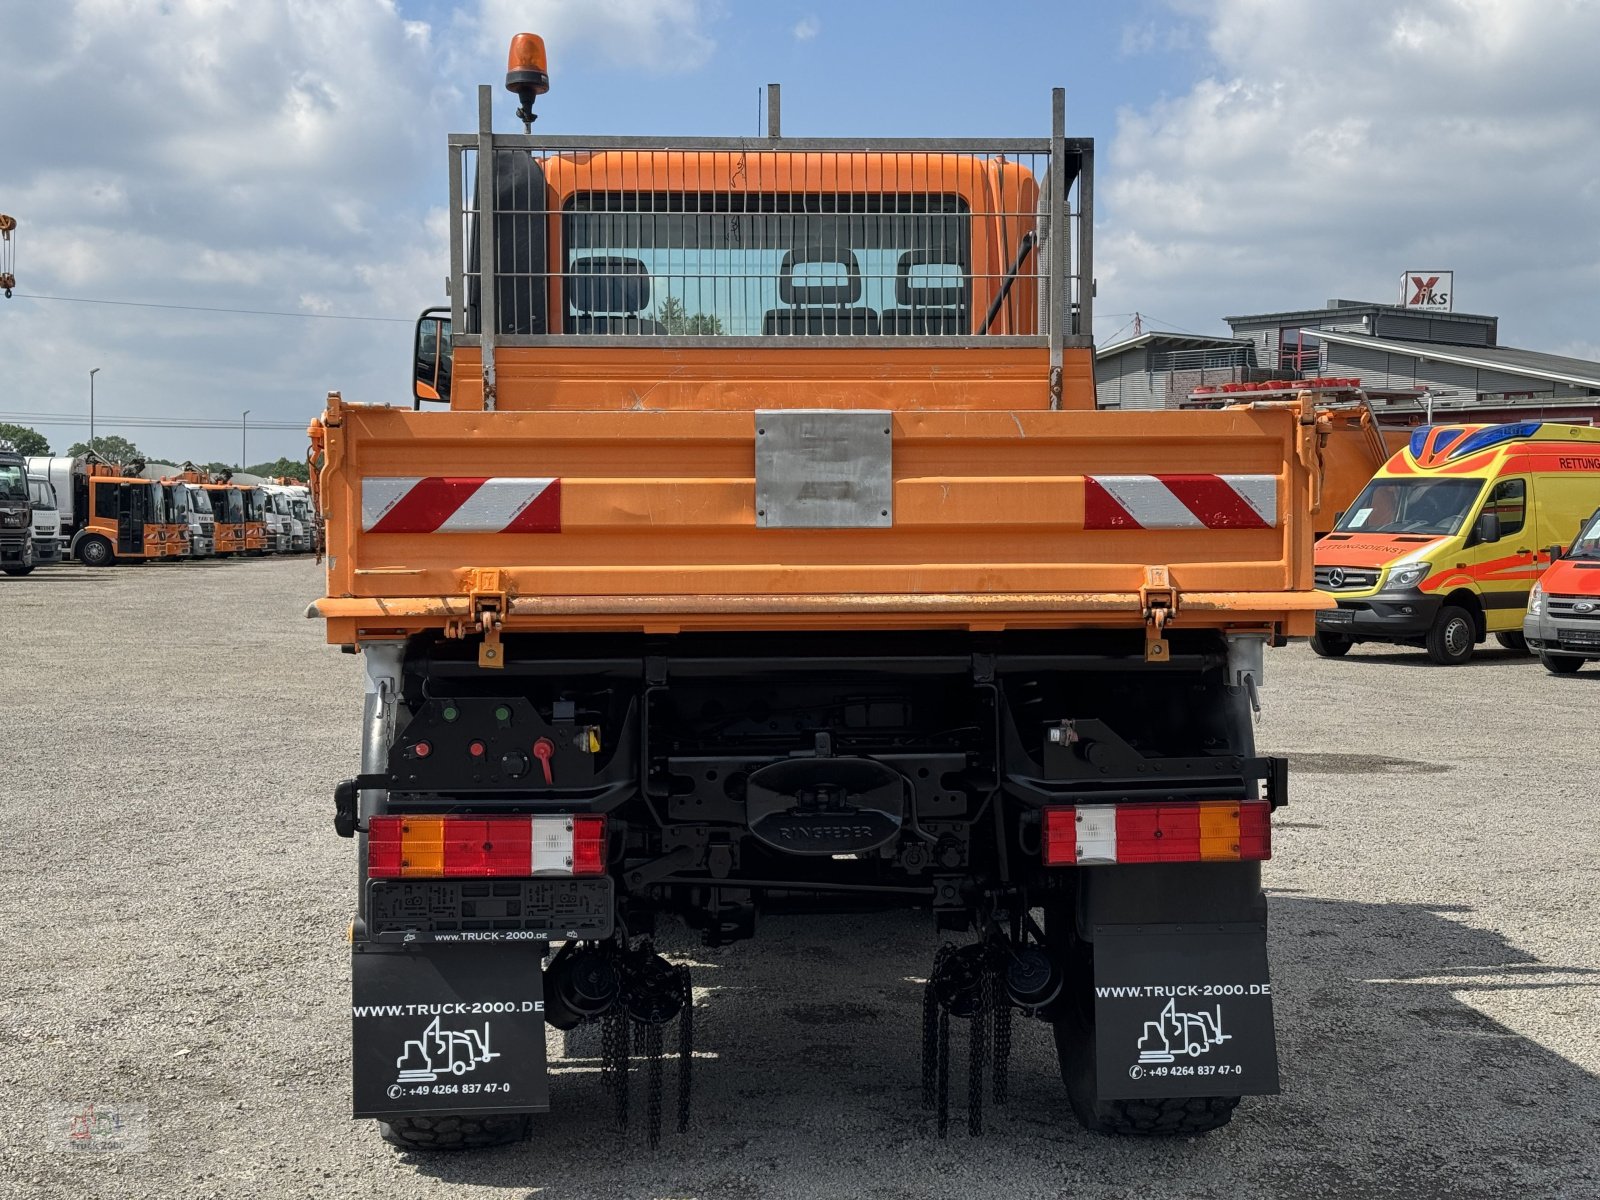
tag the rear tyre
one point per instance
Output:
(1560, 664)
(1513, 641)
(454, 1132)
(1171, 1116)
(96, 552)
(1453, 637)
(1330, 645)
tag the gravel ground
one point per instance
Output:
(180, 946)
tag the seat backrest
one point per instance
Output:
(824, 306)
(609, 292)
(819, 295)
(927, 309)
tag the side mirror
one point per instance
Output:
(1487, 528)
(1338, 516)
(1557, 551)
(431, 358)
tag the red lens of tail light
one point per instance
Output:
(588, 845)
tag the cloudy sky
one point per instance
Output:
(286, 156)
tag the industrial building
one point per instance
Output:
(1415, 365)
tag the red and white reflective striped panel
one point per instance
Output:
(1197, 831)
(443, 504)
(1180, 502)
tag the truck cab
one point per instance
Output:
(303, 531)
(255, 521)
(47, 542)
(202, 522)
(1441, 549)
(1563, 622)
(16, 515)
(228, 512)
(279, 521)
(125, 520)
(175, 505)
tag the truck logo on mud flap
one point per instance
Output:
(1176, 1033)
(443, 1052)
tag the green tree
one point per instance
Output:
(289, 468)
(111, 448)
(676, 319)
(27, 441)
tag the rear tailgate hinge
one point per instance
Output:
(1158, 601)
(488, 603)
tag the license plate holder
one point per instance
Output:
(1335, 616)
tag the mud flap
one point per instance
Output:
(1182, 1010)
(457, 1029)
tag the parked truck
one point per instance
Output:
(771, 557)
(47, 540)
(16, 514)
(108, 513)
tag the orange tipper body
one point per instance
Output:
(770, 553)
(1011, 516)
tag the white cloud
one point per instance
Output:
(806, 28)
(662, 36)
(1328, 148)
(234, 154)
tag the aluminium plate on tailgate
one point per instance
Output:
(824, 469)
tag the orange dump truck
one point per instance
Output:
(770, 557)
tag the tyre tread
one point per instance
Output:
(454, 1132)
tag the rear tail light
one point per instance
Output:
(1202, 831)
(452, 847)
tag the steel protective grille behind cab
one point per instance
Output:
(782, 238)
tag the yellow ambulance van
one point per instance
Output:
(1441, 549)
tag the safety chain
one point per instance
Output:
(685, 1047)
(966, 983)
(614, 1060)
(653, 993)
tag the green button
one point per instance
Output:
(451, 712)
(502, 713)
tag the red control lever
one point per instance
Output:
(544, 750)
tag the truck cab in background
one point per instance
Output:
(227, 507)
(255, 520)
(47, 541)
(176, 512)
(279, 520)
(16, 515)
(202, 521)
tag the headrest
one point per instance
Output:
(807, 295)
(912, 295)
(608, 284)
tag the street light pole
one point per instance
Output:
(244, 436)
(92, 373)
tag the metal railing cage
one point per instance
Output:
(774, 241)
